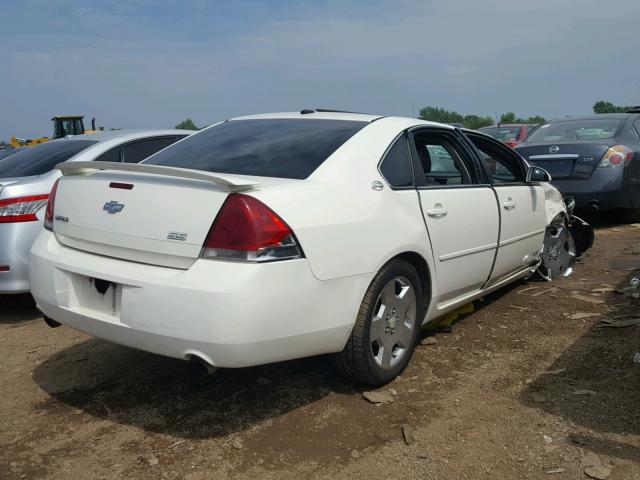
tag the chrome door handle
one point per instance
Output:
(437, 211)
(509, 204)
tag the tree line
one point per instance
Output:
(441, 115)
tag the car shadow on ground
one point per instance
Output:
(17, 308)
(595, 384)
(178, 398)
(174, 397)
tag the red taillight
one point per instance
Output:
(615, 159)
(21, 209)
(246, 229)
(511, 143)
(48, 216)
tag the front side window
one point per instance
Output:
(440, 160)
(282, 147)
(503, 165)
(396, 166)
(579, 129)
(42, 158)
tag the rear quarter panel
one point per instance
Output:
(344, 226)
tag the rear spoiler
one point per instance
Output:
(228, 182)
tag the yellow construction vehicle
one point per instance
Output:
(62, 126)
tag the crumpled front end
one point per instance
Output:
(567, 236)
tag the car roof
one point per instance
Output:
(126, 134)
(397, 122)
(313, 114)
(620, 116)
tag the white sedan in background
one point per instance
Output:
(280, 236)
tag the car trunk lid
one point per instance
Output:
(565, 160)
(144, 213)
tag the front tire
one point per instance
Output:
(387, 326)
(559, 252)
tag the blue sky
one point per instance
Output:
(148, 64)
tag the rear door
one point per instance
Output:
(522, 208)
(460, 212)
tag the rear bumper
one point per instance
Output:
(15, 242)
(607, 188)
(229, 314)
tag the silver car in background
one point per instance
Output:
(27, 176)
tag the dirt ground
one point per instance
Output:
(520, 389)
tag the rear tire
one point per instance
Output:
(387, 326)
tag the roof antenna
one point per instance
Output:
(306, 111)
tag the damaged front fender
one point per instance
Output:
(567, 237)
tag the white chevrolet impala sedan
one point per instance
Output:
(280, 236)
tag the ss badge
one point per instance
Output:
(177, 236)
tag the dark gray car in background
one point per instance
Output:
(595, 159)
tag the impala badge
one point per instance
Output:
(177, 236)
(554, 149)
(113, 207)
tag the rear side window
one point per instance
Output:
(137, 151)
(396, 166)
(285, 148)
(441, 161)
(112, 155)
(41, 159)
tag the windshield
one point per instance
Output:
(502, 133)
(285, 148)
(585, 129)
(41, 159)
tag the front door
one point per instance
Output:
(522, 208)
(460, 213)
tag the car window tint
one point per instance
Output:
(111, 155)
(503, 165)
(42, 158)
(441, 161)
(396, 166)
(285, 148)
(135, 152)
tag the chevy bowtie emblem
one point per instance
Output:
(113, 207)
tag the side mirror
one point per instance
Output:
(537, 174)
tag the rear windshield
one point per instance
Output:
(285, 148)
(585, 129)
(40, 159)
(502, 133)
